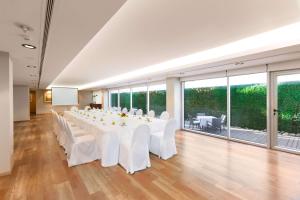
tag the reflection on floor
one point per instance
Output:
(259, 137)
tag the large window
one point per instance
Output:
(157, 98)
(248, 109)
(139, 98)
(205, 106)
(125, 98)
(114, 98)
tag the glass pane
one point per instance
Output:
(114, 99)
(205, 106)
(288, 100)
(157, 98)
(248, 107)
(139, 98)
(125, 98)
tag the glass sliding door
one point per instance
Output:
(248, 108)
(139, 98)
(286, 111)
(114, 98)
(125, 98)
(205, 106)
(157, 98)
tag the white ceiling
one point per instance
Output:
(73, 24)
(143, 33)
(30, 13)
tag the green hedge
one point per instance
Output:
(248, 105)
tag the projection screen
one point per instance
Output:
(64, 96)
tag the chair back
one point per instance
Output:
(131, 111)
(124, 110)
(151, 113)
(119, 109)
(170, 129)
(140, 138)
(164, 115)
(74, 108)
(223, 117)
(139, 112)
(67, 130)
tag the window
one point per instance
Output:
(139, 98)
(114, 98)
(157, 98)
(205, 106)
(125, 98)
(248, 107)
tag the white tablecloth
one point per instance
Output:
(108, 136)
(203, 120)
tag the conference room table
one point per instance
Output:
(110, 129)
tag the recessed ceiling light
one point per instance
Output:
(29, 46)
(31, 66)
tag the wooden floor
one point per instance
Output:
(205, 168)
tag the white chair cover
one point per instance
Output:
(86, 108)
(124, 110)
(82, 149)
(110, 154)
(163, 143)
(151, 113)
(164, 115)
(134, 151)
(139, 112)
(131, 112)
(74, 108)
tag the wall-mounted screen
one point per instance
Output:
(64, 96)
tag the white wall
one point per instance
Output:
(6, 114)
(41, 106)
(97, 97)
(21, 103)
(174, 99)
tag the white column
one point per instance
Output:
(6, 114)
(174, 99)
(105, 101)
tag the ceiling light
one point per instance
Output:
(29, 46)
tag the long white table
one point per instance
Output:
(109, 130)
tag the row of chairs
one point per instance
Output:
(81, 147)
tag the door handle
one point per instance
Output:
(275, 111)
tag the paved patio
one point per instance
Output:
(285, 141)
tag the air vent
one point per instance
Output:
(47, 23)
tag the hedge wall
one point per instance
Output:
(248, 105)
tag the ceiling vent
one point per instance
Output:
(47, 23)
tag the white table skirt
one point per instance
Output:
(205, 119)
(108, 136)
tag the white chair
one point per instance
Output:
(134, 151)
(124, 110)
(74, 108)
(151, 113)
(164, 115)
(163, 143)
(86, 108)
(82, 149)
(139, 112)
(131, 112)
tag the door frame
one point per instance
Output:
(273, 97)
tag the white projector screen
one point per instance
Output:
(64, 96)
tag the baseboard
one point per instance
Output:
(5, 173)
